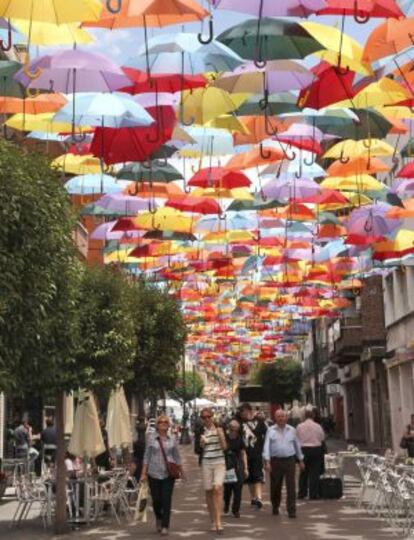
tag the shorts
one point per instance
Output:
(255, 466)
(213, 475)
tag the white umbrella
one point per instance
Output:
(202, 402)
(118, 423)
(68, 413)
(86, 439)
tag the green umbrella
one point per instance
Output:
(156, 171)
(280, 103)
(270, 39)
(8, 86)
(170, 235)
(371, 124)
(257, 204)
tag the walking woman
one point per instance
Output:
(160, 452)
(212, 445)
(236, 469)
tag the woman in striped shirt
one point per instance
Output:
(213, 444)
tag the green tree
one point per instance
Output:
(281, 380)
(192, 389)
(161, 334)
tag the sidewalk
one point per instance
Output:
(317, 520)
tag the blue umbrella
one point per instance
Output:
(116, 110)
(89, 184)
(182, 53)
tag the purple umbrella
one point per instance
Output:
(403, 187)
(277, 76)
(372, 220)
(71, 71)
(127, 204)
(273, 8)
(296, 189)
(104, 232)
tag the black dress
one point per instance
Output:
(234, 460)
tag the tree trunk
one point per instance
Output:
(61, 524)
(141, 404)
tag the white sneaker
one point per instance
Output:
(164, 531)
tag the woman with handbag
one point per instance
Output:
(161, 467)
(236, 469)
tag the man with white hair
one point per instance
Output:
(280, 452)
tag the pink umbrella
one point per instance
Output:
(372, 220)
(273, 8)
(296, 189)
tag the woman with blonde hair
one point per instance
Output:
(161, 467)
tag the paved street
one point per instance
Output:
(317, 520)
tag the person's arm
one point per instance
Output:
(222, 438)
(147, 457)
(298, 451)
(245, 466)
(266, 451)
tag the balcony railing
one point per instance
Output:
(81, 238)
(349, 344)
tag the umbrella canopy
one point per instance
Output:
(268, 8)
(118, 424)
(89, 184)
(152, 171)
(86, 440)
(372, 219)
(51, 11)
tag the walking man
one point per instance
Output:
(311, 437)
(281, 449)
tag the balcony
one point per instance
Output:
(348, 346)
(80, 237)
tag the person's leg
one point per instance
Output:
(227, 497)
(210, 504)
(155, 489)
(276, 481)
(290, 473)
(217, 503)
(167, 488)
(237, 495)
(304, 476)
(208, 486)
(315, 466)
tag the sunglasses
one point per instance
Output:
(163, 422)
(205, 417)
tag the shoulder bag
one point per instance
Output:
(172, 468)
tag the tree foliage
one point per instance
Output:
(193, 387)
(281, 380)
(161, 334)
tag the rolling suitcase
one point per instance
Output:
(330, 487)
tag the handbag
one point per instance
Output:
(141, 505)
(404, 443)
(173, 469)
(230, 476)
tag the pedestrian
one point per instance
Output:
(407, 439)
(210, 445)
(23, 437)
(281, 449)
(161, 449)
(48, 438)
(236, 464)
(254, 433)
(311, 437)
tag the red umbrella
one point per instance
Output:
(218, 177)
(134, 144)
(304, 143)
(200, 205)
(407, 171)
(169, 83)
(362, 10)
(329, 87)
(80, 149)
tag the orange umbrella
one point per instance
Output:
(388, 38)
(397, 212)
(43, 103)
(256, 127)
(154, 189)
(297, 212)
(252, 158)
(358, 165)
(149, 13)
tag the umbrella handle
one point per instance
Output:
(299, 173)
(187, 123)
(264, 102)
(263, 154)
(360, 18)
(7, 46)
(343, 159)
(289, 158)
(32, 74)
(257, 62)
(210, 37)
(312, 161)
(32, 92)
(367, 145)
(114, 8)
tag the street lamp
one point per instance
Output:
(185, 435)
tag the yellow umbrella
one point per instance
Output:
(166, 219)
(239, 194)
(358, 199)
(74, 164)
(383, 92)
(396, 112)
(350, 149)
(52, 11)
(334, 58)
(363, 182)
(229, 122)
(203, 104)
(43, 33)
(41, 122)
(229, 236)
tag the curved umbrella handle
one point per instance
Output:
(289, 158)
(210, 37)
(343, 159)
(259, 62)
(312, 161)
(299, 172)
(263, 154)
(187, 123)
(7, 46)
(32, 92)
(222, 216)
(367, 145)
(114, 8)
(152, 210)
(33, 75)
(359, 16)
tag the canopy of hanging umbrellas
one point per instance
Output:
(261, 170)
